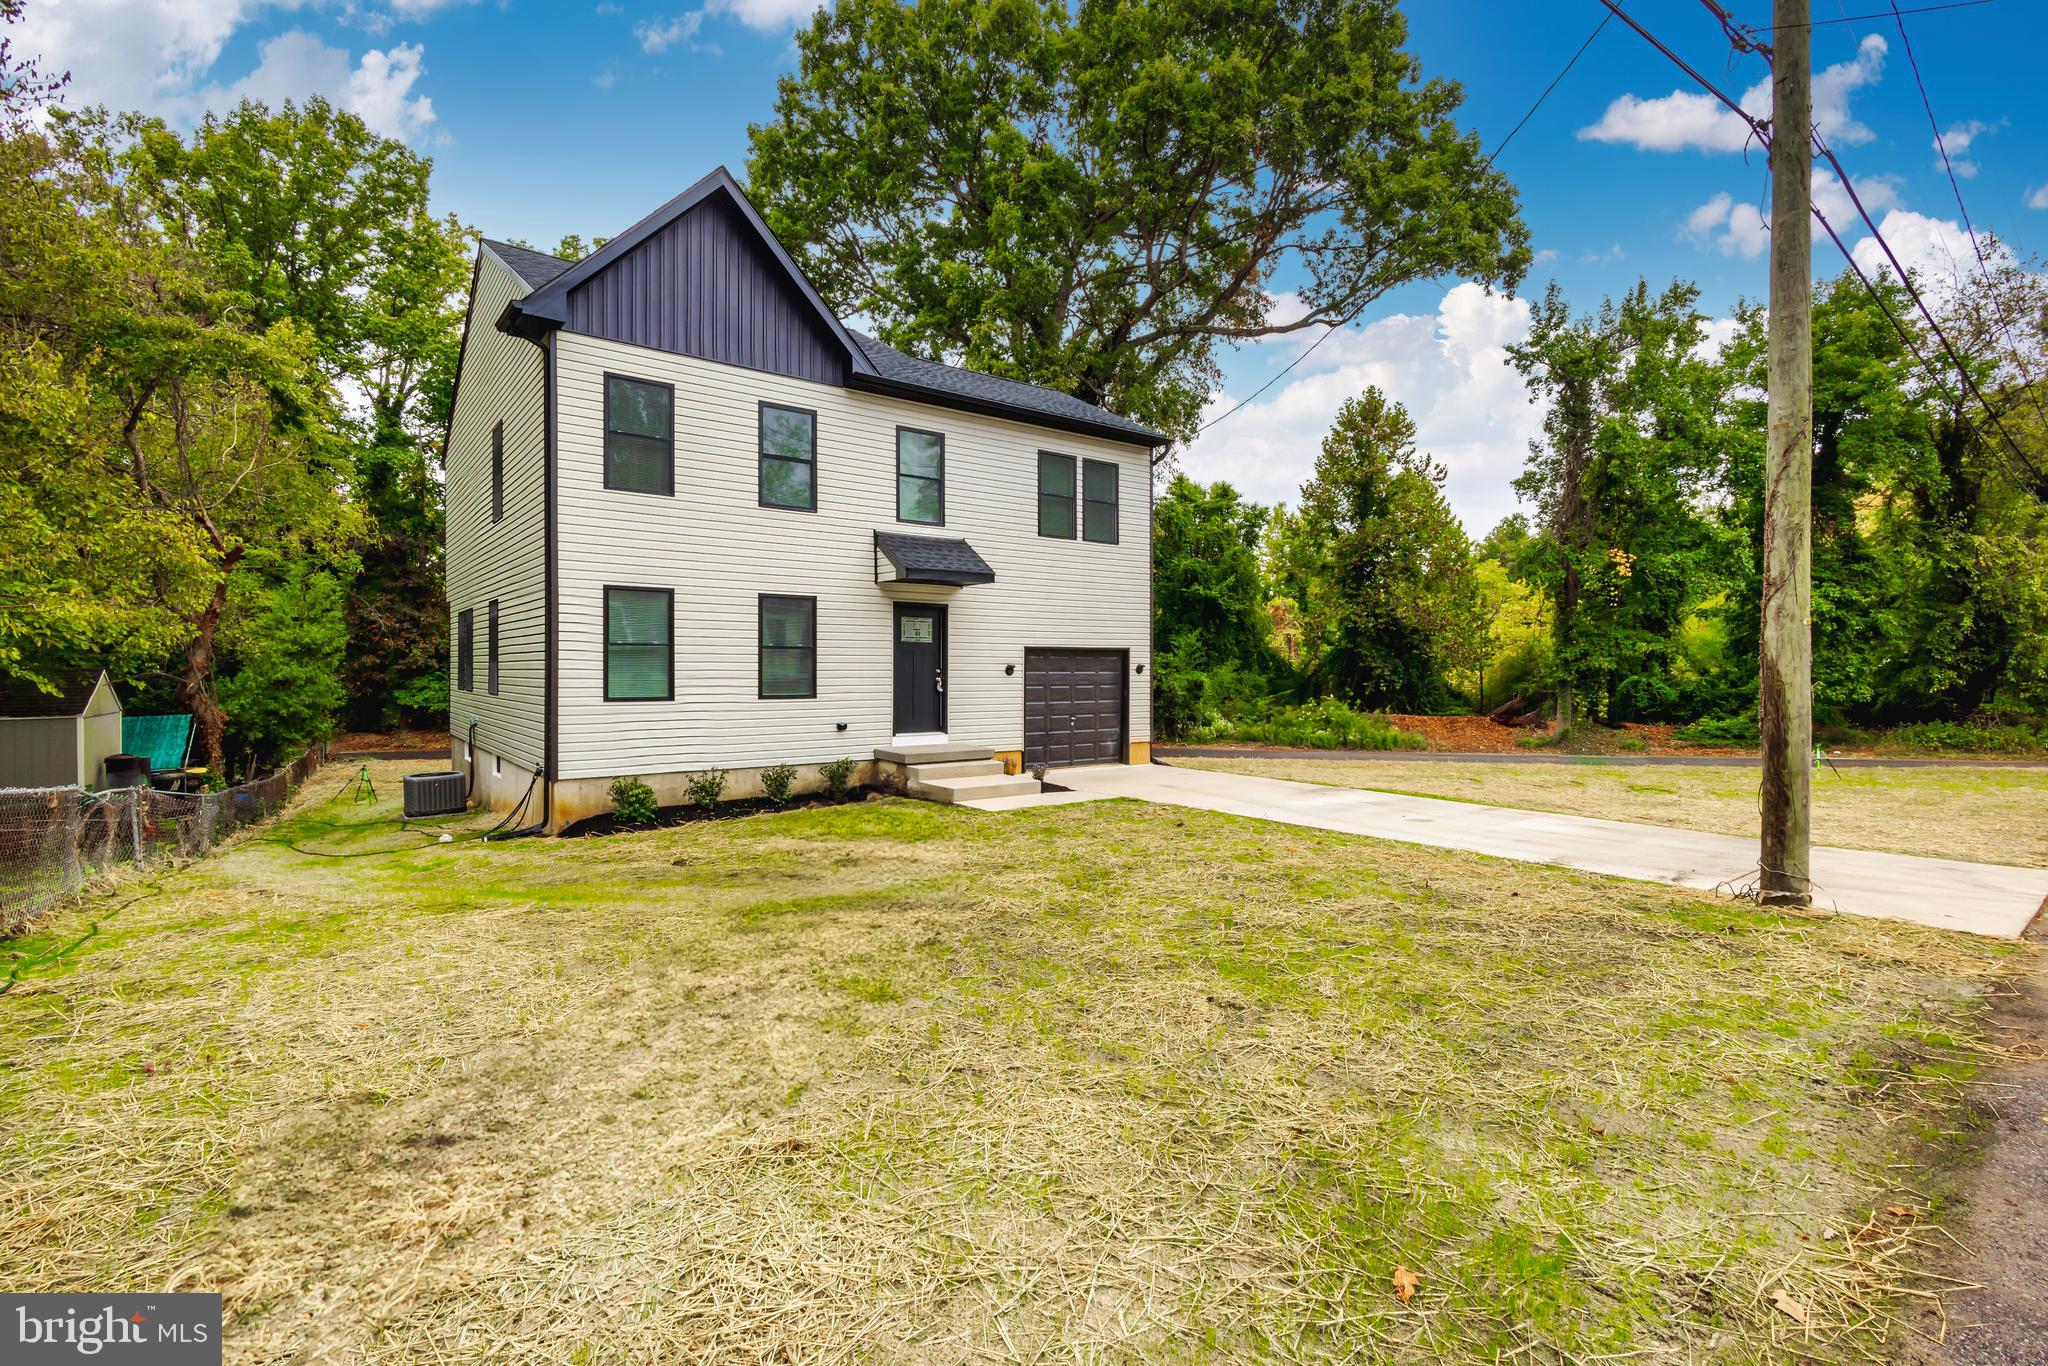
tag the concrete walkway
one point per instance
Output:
(1980, 898)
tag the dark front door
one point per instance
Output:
(920, 668)
(1073, 707)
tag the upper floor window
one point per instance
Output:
(639, 435)
(1056, 495)
(639, 650)
(920, 476)
(1098, 501)
(498, 472)
(789, 458)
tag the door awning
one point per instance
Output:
(928, 559)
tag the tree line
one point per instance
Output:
(1630, 590)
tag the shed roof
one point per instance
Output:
(934, 559)
(21, 699)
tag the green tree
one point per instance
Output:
(1380, 565)
(1209, 627)
(286, 641)
(1094, 196)
(1631, 448)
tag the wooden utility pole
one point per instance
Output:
(1785, 674)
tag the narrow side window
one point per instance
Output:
(1098, 501)
(498, 472)
(465, 650)
(491, 649)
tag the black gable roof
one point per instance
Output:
(558, 297)
(991, 393)
(534, 267)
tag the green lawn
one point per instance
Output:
(899, 1081)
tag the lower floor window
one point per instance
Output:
(789, 646)
(639, 650)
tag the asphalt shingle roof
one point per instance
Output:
(899, 368)
(536, 268)
(940, 382)
(934, 559)
(21, 698)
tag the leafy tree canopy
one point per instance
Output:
(1093, 196)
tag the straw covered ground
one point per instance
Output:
(1983, 814)
(895, 1081)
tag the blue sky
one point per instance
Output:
(578, 116)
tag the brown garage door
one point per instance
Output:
(1073, 707)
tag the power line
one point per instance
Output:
(1491, 157)
(1852, 18)
(1976, 246)
(1962, 371)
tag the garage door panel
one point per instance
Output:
(1073, 707)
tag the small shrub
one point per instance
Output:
(707, 788)
(1633, 744)
(776, 782)
(837, 775)
(1327, 724)
(1038, 771)
(1721, 730)
(633, 802)
(1962, 737)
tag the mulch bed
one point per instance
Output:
(608, 824)
(387, 741)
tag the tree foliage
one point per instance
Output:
(1095, 196)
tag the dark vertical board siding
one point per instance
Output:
(703, 286)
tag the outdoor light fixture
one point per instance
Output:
(1141, 668)
(1009, 669)
(839, 725)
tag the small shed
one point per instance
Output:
(58, 739)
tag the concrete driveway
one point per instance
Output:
(1979, 898)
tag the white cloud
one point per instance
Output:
(1958, 139)
(1715, 336)
(1450, 370)
(2038, 198)
(295, 64)
(1602, 258)
(1938, 251)
(1878, 193)
(659, 35)
(158, 56)
(1728, 225)
(768, 16)
(1687, 119)
(1544, 257)
(605, 80)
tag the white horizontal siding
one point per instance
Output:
(503, 379)
(719, 550)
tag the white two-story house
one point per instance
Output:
(695, 522)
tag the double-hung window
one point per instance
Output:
(789, 646)
(1056, 495)
(639, 435)
(465, 650)
(920, 476)
(1098, 501)
(789, 458)
(639, 650)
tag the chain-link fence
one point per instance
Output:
(53, 840)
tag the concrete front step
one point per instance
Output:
(933, 754)
(961, 768)
(974, 789)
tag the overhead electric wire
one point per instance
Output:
(1976, 246)
(1491, 157)
(1969, 381)
(1852, 18)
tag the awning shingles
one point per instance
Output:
(928, 559)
